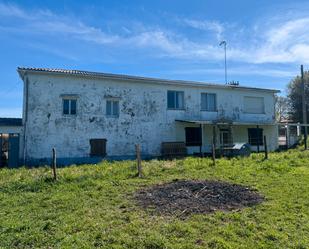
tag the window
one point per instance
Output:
(112, 108)
(254, 105)
(209, 102)
(193, 136)
(175, 100)
(69, 106)
(255, 136)
(98, 147)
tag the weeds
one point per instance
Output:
(92, 206)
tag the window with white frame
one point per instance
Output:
(112, 107)
(209, 102)
(175, 99)
(69, 106)
(254, 105)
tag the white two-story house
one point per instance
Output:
(88, 115)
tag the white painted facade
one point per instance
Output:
(143, 114)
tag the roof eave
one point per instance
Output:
(23, 71)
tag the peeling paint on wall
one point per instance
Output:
(143, 116)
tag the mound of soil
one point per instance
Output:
(182, 197)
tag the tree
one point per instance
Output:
(282, 108)
(295, 98)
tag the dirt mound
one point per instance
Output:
(182, 197)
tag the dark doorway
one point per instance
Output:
(193, 136)
(9, 150)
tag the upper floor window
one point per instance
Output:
(254, 105)
(69, 106)
(175, 99)
(209, 102)
(112, 107)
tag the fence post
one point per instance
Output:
(54, 164)
(213, 154)
(138, 160)
(265, 148)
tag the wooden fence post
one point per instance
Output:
(138, 160)
(265, 148)
(54, 164)
(213, 154)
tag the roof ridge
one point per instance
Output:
(132, 77)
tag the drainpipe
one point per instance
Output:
(201, 147)
(258, 141)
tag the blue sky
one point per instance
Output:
(266, 40)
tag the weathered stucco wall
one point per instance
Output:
(143, 117)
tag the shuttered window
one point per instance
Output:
(98, 147)
(254, 105)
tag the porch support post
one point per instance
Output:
(258, 140)
(214, 135)
(201, 146)
(287, 136)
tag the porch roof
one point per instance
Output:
(220, 122)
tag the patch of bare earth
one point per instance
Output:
(185, 197)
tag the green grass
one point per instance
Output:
(91, 206)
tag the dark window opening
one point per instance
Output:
(193, 136)
(255, 136)
(98, 147)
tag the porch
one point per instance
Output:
(200, 136)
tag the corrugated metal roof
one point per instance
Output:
(22, 70)
(11, 122)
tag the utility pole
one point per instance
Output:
(224, 43)
(304, 105)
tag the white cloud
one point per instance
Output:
(46, 22)
(285, 42)
(205, 25)
(278, 41)
(244, 71)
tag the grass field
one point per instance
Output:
(92, 206)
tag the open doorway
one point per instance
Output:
(9, 150)
(226, 137)
(4, 150)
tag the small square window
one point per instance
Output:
(112, 108)
(69, 106)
